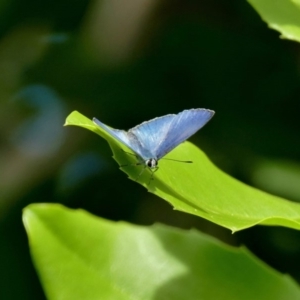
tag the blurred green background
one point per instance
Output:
(126, 62)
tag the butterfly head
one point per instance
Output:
(151, 163)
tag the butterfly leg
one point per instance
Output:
(152, 174)
(134, 164)
(141, 173)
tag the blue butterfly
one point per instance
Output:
(152, 140)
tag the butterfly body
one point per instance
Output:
(152, 140)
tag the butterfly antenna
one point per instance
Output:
(140, 173)
(183, 161)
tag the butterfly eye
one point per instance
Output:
(151, 163)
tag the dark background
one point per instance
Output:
(124, 63)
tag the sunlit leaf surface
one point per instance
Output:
(79, 256)
(283, 16)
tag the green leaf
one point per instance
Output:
(283, 16)
(79, 256)
(201, 188)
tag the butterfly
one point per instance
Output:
(152, 140)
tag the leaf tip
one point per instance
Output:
(67, 122)
(27, 215)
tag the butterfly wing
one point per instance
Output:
(124, 137)
(151, 134)
(157, 137)
(160, 135)
(184, 125)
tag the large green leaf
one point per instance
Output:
(79, 256)
(201, 188)
(281, 15)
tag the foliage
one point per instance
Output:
(79, 256)
(125, 64)
(202, 189)
(283, 16)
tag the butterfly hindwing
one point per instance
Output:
(124, 137)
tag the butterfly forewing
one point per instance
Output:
(184, 125)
